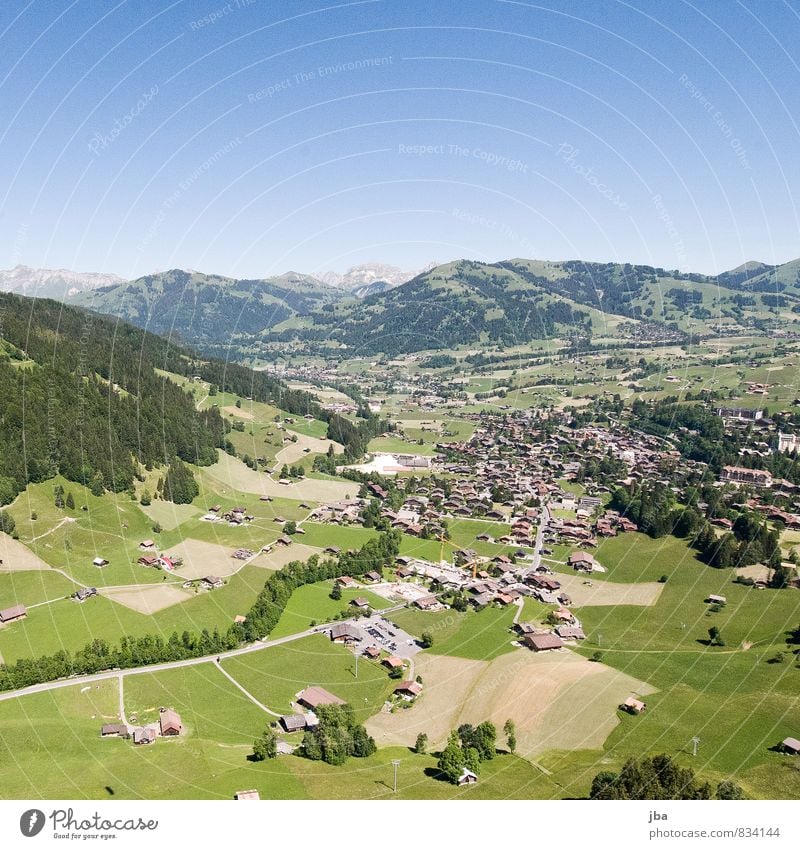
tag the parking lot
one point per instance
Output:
(382, 633)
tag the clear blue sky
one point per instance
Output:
(252, 137)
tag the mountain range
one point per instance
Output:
(370, 309)
(53, 283)
(371, 278)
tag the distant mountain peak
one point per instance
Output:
(56, 283)
(370, 277)
(750, 265)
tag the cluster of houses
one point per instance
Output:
(168, 725)
(156, 561)
(235, 516)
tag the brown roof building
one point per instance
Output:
(170, 723)
(11, 614)
(542, 642)
(313, 697)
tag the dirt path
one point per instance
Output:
(65, 521)
(247, 693)
(121, 682)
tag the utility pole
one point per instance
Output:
(695, 744)
(395, 764)
(356, 654)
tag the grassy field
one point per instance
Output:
(274, 676)
(50, 745)
(394, 445)
(481, 635)
(312, 603)
(67, 625)
(505, 777)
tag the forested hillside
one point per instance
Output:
(80, 396)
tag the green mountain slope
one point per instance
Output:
(459, 303)
(80, 396)
(208, 310)
(512, 302)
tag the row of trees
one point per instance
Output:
(658, 777)
(262, 617)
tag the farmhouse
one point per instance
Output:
(211, 582)
(84, 592)
(143, 736)
(313, 697)
(581, 561)
(360, 602)
(392, 663)
(632, 705)
(542, 642)
(12, 614)
(117, 729)
(427, 602)
(570, 632)
(297, 722)
(408, 690)
(151, 560)
(99, 562)
(343, 632)
(170, 723)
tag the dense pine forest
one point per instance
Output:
(81, 397)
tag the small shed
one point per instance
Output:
(790, 746)
(247, 796)
(633, 705)
(467, 777)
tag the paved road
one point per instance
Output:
(538, 543)
(175, 664)
(156, 667)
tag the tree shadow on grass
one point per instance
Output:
(436, 774)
